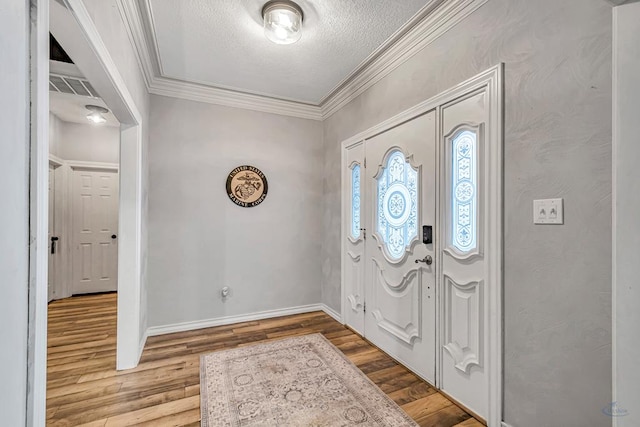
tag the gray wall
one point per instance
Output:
(627, 208)
(14, 216)
(84, 142)
(199, 241)
(557, 281)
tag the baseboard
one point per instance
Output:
(503, 424)
(331, 312)
(228, 320)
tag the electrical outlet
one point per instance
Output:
(548, 211)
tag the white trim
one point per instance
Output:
(130, 202)
(492, 81)
(427, 25)
(55, 160)
(36, 380)
(615, 140)
(143, 341)
(503, 424)
(231, 98)
(229, 320)
(78, 164)
(331, 312)
(429, 29)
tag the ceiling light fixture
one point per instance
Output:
(96, 114)
(282, 21)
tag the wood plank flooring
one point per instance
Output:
(84, 389)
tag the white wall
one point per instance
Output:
(14, 216)
(557, 293)
(86, 142)
(627, 212)
(199, 241)
(55, 125)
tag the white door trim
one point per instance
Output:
(103, 72)
(490, 80)
(78, 165)
(129, 340)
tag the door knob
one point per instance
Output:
(427, 260)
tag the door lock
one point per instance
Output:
(427, 260)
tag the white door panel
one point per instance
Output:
(95, 227)
(464, 303)
(354, 237)
(400, 199)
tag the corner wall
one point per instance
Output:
(557, 286)
(199, 241)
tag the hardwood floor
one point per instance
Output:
(164, 390)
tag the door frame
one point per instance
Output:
(491, 81)
(60, 279)
(102, 71)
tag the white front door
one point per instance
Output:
(400, 277)
(95, 227)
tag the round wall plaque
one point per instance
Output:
(247, 186)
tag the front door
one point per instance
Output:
(95, 228)
(399, 199)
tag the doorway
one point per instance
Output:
(421, 240)
(84, 146)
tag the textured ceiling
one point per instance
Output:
(221, 43)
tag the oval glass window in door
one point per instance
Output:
(397, 205)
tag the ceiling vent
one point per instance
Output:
(71, 85)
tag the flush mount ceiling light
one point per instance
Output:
(96, 114)
(282, 21)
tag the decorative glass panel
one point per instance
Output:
(397, 213)
(464, 184)
(355, 202)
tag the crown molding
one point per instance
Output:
(230, 98)
(425, 32)
(432, 21)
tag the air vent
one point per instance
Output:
(72, 85)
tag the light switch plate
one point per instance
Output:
(548, 211)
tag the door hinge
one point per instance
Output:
(365, 162)
(364, 307)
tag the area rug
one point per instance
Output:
(301, 381)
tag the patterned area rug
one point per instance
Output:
(301, 381)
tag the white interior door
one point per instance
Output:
(94, 229)
(354, 237)
(399, 276)
(464, 372)
(52, 238)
